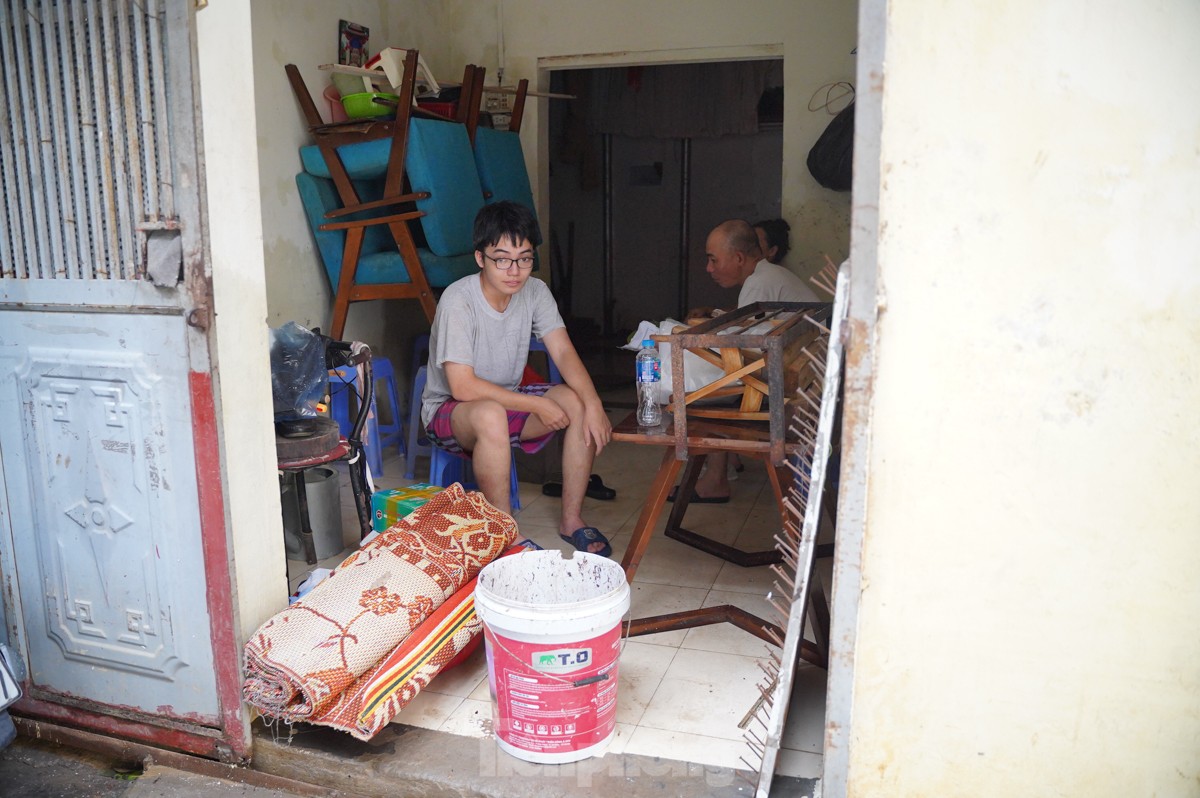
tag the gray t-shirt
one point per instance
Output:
(467, 330)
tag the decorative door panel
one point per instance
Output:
(106, 440)
(114, 563)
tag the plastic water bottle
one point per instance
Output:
(649, 372)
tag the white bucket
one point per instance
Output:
(553, 633)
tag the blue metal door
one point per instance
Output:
(112, 534)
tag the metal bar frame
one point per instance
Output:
(858, 389)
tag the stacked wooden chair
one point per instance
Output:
(392, 203)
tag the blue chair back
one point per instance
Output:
(501, 165)
(537, 346)
(440, 161)
(417, 444)
(379, 262)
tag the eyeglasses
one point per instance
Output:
(504, 264)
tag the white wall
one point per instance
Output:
(1029, 602)
(816, 37)
(240, 301)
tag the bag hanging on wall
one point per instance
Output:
(831, 159)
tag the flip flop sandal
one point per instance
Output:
(699, 499)
(596, 489)
(585, 536)
(518, 548)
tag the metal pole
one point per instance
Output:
(685, 213)
(607, 292)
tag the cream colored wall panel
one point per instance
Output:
(1029, 604)
(240, 302)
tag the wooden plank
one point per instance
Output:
(725, 380)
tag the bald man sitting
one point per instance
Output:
(735, 259)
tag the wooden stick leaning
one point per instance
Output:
(798, 545)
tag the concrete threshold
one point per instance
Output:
(403, 761)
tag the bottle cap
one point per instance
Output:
(647, 342)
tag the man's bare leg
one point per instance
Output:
(714, 482)
(481, 427)
(576, 460)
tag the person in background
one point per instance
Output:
(735, 258)
(773, 239)
(474, 402)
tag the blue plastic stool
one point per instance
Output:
(392, 433)
(446, 468)
(419, 351)
(417, 444)
(343, 381)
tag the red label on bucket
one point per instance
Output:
(554, 698)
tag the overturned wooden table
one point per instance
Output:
(705, 436)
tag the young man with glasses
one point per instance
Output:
(474, 403)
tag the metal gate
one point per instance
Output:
(113, 548)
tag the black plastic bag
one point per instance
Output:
(299, 375)
(831, 159)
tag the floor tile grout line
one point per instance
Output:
(693, 734)
(657, 685)
(450, 713)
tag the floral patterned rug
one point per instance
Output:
(356, 649)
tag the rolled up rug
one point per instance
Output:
(379, 694)
(308, 662)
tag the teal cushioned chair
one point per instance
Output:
(440, 167)
(500, 161)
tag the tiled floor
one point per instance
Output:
(682, 694)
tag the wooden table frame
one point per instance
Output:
(790, 325)
(705, 437)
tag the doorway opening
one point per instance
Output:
(643, 164)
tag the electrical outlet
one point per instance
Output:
(498, 103)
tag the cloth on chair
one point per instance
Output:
(362, 644)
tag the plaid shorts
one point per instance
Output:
(441, 434)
